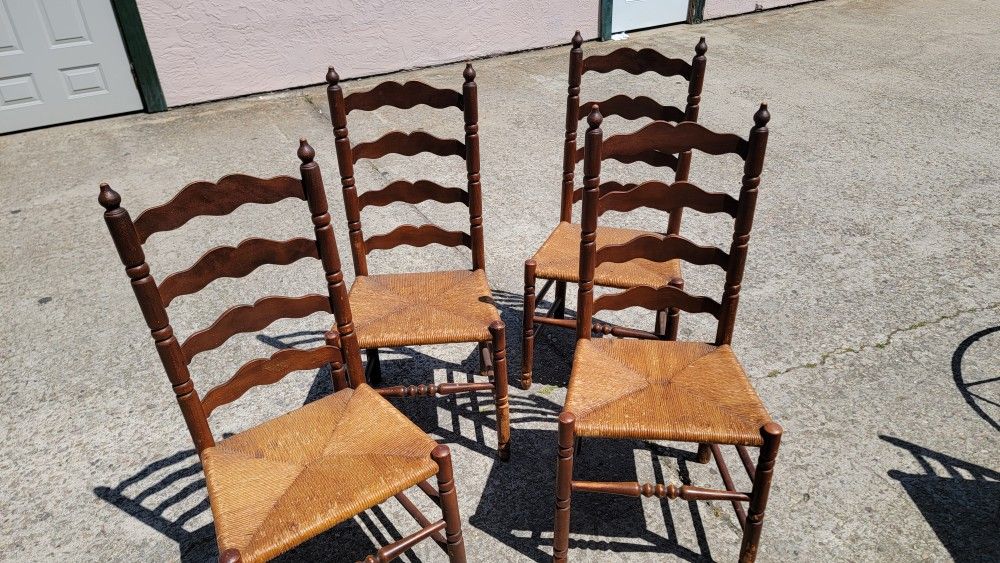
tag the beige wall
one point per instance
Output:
(224, 48)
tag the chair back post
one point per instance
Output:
(129, 248)
(329, 255)
(756, 145)
(345, 161)
(588, 222)
(695, 84)
(572, 121)
(470, 107)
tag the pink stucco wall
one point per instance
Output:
(720, 8)
(224, 48)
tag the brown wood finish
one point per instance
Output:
(417, 235)
(679, 138)
(634, 108)
(408, 96)
(402, 191)
(661, 248)
(205, 198)
(408, 144)
(252, 318)
(663, 197)
(670, 297)
(403, 96)
(635, 62)
(326, 243)
(266, 371)
(662, 137)
(650, 157)
(215, 199)
(235, 262)
(656, 299)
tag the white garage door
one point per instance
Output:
(627, 15)
(61, 60)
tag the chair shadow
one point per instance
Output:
(975, 398)
(959, 500)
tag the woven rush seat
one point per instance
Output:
(559, 259)
(422, 308)
(278, 484)
(663, 390)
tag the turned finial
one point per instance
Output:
(469, 73)
(595, 118)
(109, 199)
(762, 116)
(577, 39)
(306, 152)
(331, 76)
(701, 48)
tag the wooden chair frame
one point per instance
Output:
(221, 198)
(669, 138)
(492, 353)
(633, 62)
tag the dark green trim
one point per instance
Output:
(604, 21)
(134, 37)
(696, 11)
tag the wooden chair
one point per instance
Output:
(280, 483)
(412, 309)
(647, 388)
(557, 260)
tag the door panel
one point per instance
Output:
(627, 15)
(61, 60)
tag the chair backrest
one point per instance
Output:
(633, 62)
(406, 96)
(221, 198)
(671, 138)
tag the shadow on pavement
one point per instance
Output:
(975, 397)
(960, 501)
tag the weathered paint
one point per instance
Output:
(721, 8)
(211, 50)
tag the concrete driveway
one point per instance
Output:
(869, 320)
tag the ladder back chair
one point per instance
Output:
(557, 260)
(645, 388)
(280, 483)
(412, 309)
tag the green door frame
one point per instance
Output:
(696, 12)
(137, 47)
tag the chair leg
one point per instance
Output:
(528, 340)
(771, 432)
(672, 322)
(230, 556)
(498, 331)
(373, 368)
(560, 297)
(484, 368)
(660, 328)
(449, 504)
(704, 453)
(564, 486)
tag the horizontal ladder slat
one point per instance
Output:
(251, 318)
(235, 262)
(404, 191)
(412, 235)
(637, 62)
(403, 96)
(408, 144)
(215, 199)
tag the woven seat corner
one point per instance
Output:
(282, 482)
(559, 259)
(414, 309)
(663, 390)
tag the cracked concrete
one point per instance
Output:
(880, 344)
(875, 233)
